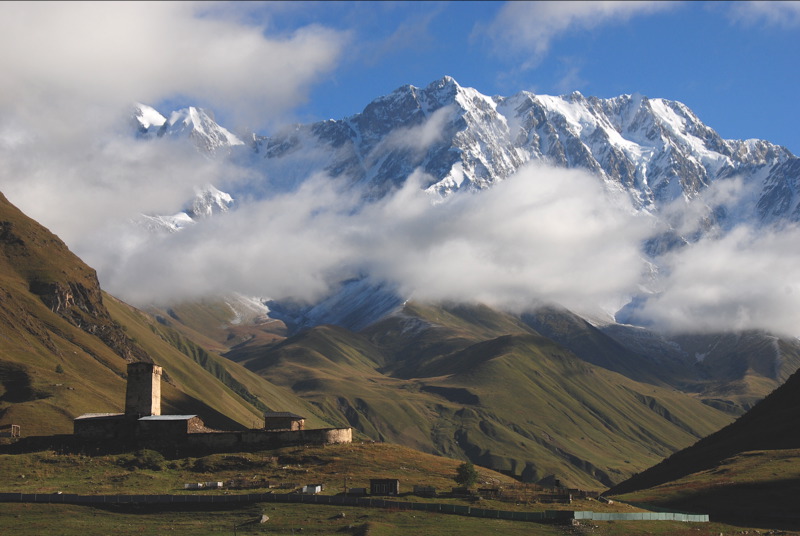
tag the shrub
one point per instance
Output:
(466, 475)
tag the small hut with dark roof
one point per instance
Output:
(283, 420)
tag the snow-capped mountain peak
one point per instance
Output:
(200, 126)
(193, 123)
(656, 150)
(209, 201)
(147, 119)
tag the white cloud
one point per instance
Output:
(71, 72)
(76, 188)
(418, 138)
(289, 245)
(690, 217)
(527, 28)
(85, 56)
(748, 279)
(782, 14)
(539, 236)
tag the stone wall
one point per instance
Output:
(261, 439)
(110, 427)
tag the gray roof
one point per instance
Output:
(167, 417)
(282, 414)
(100, 416)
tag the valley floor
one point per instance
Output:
(318, 520)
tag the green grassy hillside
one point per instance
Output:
(769, 426)
(755, 487)
(450, 381)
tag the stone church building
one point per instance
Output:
(143, 423)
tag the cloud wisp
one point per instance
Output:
(528, 28)
(771, 13)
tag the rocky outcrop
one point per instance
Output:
(30, 254)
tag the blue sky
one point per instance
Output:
(734, 64)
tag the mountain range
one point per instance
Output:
(655, 151)
(542, 394)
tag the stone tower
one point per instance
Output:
(143, 395)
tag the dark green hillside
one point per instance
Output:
(731, 371)
(591, 344)
(517, 403)
(770, 426)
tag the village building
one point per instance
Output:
(384, 486)
(283, 420)
(143, 423)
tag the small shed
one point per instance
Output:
(384, 486)
(312, 488)
(283, 420)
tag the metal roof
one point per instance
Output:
(282, 414)
(99, 416)
(167, 417)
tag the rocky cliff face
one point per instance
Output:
(35, 261)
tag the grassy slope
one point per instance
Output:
(770, 425)
(519, 403)
(213, 324)
(36, 341)
(756, 486)
(203, 375)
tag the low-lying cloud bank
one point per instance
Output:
(541, 235)
(746, 279)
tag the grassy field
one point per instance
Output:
(315, 520)
(49, 472)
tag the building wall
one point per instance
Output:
(265, 439)
(143, 392)
(284, 423)
(384, 486)
(104, 428)
(175, 430)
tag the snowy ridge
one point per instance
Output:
(147, 118)
(200, 126)
(208, 201)
(193, 123)
(656, 150)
